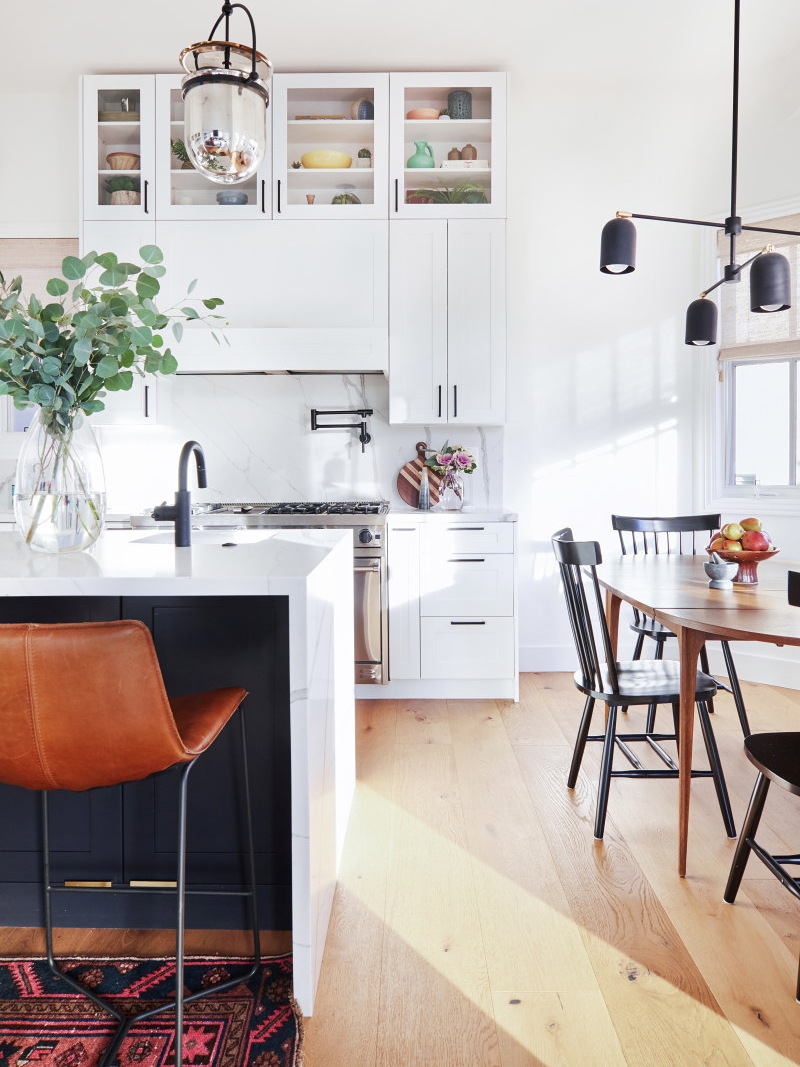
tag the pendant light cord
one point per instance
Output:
(227, 11)
(735, 124)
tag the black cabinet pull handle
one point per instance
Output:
(146, 209)
(463, 560)
(147, 401)
(403, 529)
(263, 196)
(452, 623)
(397, 200)
(455, 401)
(440, 401)
(472, 528)
(279, 196)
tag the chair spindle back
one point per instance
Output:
(674, 535)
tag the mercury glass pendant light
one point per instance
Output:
(770, 277)
(225, 98)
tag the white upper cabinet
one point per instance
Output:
(330, 146)
(183, 192)
(452, 167)
(447, 312)
(118, 147)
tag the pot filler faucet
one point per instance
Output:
(180, 511)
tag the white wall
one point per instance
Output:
(619, 105)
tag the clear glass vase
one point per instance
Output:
(59, 489)
(451, 492)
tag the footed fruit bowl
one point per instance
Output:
(748, 563)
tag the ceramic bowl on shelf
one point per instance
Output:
(326, 158)
(423, 113)
(231, 198)
(748, 563)
(122, 161)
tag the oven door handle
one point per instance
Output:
(373, 569)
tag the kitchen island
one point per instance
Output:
(303, 580)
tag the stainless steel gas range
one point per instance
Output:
(367, 518)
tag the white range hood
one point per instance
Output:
(300, 297)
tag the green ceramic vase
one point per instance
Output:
(423, 157)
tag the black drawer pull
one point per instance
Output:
(467, 623)
(279, 196)
(263, 196)
(473, 529)
(466, 560)
(403, 529)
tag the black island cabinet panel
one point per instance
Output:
(129, 833)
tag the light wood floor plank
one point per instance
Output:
(556, 1029)
(660, 1004)
(529, 937)
(423, 722)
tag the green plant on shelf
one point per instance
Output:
(466, 193)
(364, 153)
(444, 113)
(181, 154)
(296, 165)
(122, 184)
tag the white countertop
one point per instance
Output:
(146, 563)
(467, 514)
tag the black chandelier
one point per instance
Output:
(226, 96)
(770, 281)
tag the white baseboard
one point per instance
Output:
(754, 662)
(442, 689)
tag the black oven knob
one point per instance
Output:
(364, 537)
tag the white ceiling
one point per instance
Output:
(632, 42)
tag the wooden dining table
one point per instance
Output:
(674, 590)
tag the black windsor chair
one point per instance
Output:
(777, 758)
(620, 685)
(676, 534)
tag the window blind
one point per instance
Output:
(748, 336)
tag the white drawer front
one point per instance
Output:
(476, 537)
(467, 648)
(466, 585)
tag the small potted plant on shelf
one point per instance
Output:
(444, 114)
(466, 193)
(180, 153)
(364, 158)
(296, 165)
(123, 190)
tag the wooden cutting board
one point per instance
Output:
(409, 478)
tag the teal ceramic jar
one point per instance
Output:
(423, 157)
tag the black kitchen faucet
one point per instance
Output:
(180, 511)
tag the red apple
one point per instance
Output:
(733, 531)
(754, 541)
(732, 546)
(717, 543)
(751, 524)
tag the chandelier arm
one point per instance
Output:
(767, 229)
(736, 268)
(667, 218)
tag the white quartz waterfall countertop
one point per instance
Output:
(144, 563)
(313, 569)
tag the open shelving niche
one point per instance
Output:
(443, 135)
(344, 134)
(114, 135)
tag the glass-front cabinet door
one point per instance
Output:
(447, 145)
(330, 148)
(118, 146)
(185, 193)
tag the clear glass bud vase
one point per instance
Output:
(451, 492)
(60, 491)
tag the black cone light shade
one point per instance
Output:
(770, 283)
(618, 247)
(701, 322)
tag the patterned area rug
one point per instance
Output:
(43, 1023)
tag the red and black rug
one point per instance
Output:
(43, 1023)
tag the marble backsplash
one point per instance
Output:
(256, 434)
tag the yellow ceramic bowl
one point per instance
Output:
(325, 157)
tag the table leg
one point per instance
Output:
(689, 643)
(612, 617)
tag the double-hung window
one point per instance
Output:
(759, 364)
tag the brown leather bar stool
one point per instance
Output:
(83, 705)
